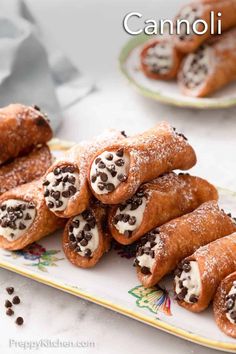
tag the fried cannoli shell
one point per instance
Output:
(152, 153)
(219, 306)
(169, 197)
(79, 157)
(44, 223)
(21, 128)
(228, 20)
(222, 66)
(215, 261)
(25, 169)
(176, 60)
(100, 214)
(180, 237)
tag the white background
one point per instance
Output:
(91, 34)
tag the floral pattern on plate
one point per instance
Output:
(40, 257)
(154, 299)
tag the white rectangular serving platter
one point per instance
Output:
(113, 284)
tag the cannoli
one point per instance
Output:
(25, 169)
(163, 248)
(198, 276)
(211, 67)
(224, 305)
(66, 190)
(86, 238)
(202, 11)
(21, 128)
(160, 59)
(24, 216)
(156, 202)
(117, 171)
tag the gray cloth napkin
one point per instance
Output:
(32, 71)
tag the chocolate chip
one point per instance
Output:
(46, 193)
(126, 218)
(145, 270)
(120, 152)
(19, 321)
(121, 177)
(123, 133)
(134, 206)
(40, 121)
(233, 315)
(101, 186)
(9, 312)
(87, 227)
(56, 194)
(103, 177)
(229, 304)
(46, 183)
(109, 156)
(58, 203)
(65, 178)
(36, 107)
(92, 223)
(186, 266)
(182, 293)
(76, 223)
(193, 298)
(113, 173)
(87, 252)
(98, 159)
(88, 236)
(84, 242)
(101, 165)
(65, 194)
(22, 226)
(128, 233)
(31, 205)
(3, 207)
(16, 300)
(110, 187)
(72, 190)
(8, 303)
(132, 220)
(93, 178)
(10, 290)
(57, 171)
(120, 162)
(50, 204)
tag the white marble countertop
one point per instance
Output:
(54, 315)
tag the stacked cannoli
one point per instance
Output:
(24, 154)
(124, 188)
(201, 63)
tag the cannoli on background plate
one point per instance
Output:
(24, 216)
(21, 128)
(160, 60)
(86, 237)
(196, 10)
(211, 67)
(66, 189)
(25, 169)
(156, 202)
(198, 276)
(118, 170)
(224, 305)
(163, 248)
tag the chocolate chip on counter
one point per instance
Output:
(9, 312)
(8, 303)
(16, 300)
(123, 133)
(19, 321)
(10, 290)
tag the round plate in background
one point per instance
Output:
(167, 91)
